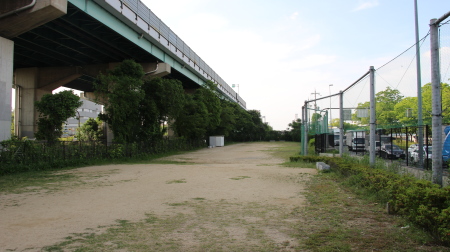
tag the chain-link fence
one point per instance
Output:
(398, 93)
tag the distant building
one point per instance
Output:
(87, 110)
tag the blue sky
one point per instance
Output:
(279, 52)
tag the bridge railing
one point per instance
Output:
(138, 13)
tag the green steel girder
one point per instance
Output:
(99, 13)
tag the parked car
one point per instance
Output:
(391, 151)
(412, 148)
(427, 153)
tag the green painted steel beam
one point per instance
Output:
(108, 19)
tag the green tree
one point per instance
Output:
(54, 110)
(91, 130)
(258, 131)
(244, 125)
(191, 123)
(401, 108)
(210, 98)
(427, 103)
(385, 106)
(163, 103)
(227, 118)
(295, 130)
(120, 91)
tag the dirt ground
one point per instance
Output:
(239, 175)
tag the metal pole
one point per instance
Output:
(305, 130)
(329, 89)
(419, 90)
(372, 118)
(302, 134)
(436, 103)
(341, 123)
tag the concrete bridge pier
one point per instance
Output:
(6, 81)
(31, 84)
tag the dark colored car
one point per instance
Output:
(391, 151)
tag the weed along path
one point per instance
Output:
(232, 198)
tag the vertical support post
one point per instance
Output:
(372, 118)
(436, 104)
(6, 81)
(341, 123)
(305, 130)
(407, 154)
(419, 90)
(302, 139)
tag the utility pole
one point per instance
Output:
(436, 103)
(419, 90)
(315, 99)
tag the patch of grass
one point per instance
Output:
(158, 161)
(48, 181)
(39, 181)
(185, 203)
(176, 181)
(210, 226)
(284, 150)
(299, 164)
(34, 181)
(338, 219)
(240, 177)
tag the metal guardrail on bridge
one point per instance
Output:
(138, 13)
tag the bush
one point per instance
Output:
(421, 202)
(24, 155)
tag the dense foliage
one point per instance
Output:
(391, 108)
(121, 93)
(422, 202)
(24, 155)
(139, 108)
(54, 110)
(91, 130)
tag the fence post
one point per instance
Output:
(419, 90)
(372, 118)
(302, 132)
(341, 123)
(406, 154)
(305, 129)
(436, 104)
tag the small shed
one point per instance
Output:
(216, 141)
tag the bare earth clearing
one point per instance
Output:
(223, 198)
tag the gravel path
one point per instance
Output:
(230, 178)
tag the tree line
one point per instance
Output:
(394, 110)
(138, 108)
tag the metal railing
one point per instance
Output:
(138, 13)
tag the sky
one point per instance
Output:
(282, 52)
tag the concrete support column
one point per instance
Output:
(27, 93)
(6, 81)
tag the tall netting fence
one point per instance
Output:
(397, 88)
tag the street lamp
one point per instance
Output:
(329, 88)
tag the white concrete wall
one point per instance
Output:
(6, 81)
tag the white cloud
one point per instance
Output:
(366, 5)
(294, 16)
